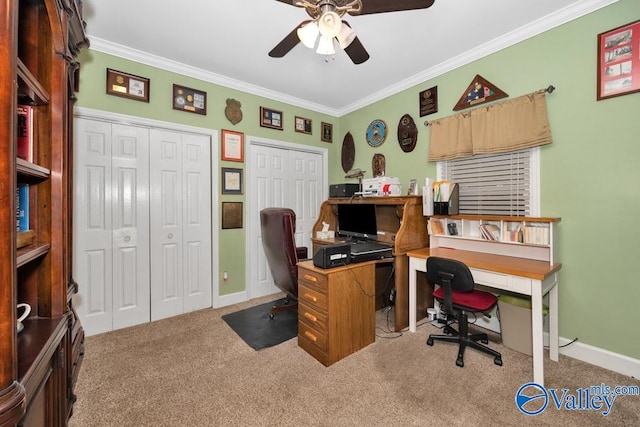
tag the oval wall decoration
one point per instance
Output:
(407, 133)
(348, 152)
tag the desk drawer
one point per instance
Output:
(495, 280)
(313, 279)
(313, 336)
(521, 285)
(313, 317)
(312, 296)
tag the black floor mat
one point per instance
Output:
(257, 330)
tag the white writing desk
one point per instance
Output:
(519, 275)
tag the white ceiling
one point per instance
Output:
(227, 42)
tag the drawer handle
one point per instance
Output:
(311, 317)
(310, 278)
(310, 336)
(311, 297)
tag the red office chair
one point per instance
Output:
(457, 294)
(278, 226)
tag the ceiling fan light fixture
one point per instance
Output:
(308, 34)
(345, 36)
(325, 46)
(330, 24)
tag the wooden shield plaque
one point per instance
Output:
(407, 133)
(348, 152)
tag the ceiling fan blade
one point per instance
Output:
(357, 52)
(287, 43)
(381, 6)
(291, 2)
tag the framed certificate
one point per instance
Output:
(127, 85)
(231, 181)
(232, 146)
(191, 100)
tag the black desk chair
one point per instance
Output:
(457, 294)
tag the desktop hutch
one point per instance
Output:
(400, 222)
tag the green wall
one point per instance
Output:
(590, 175)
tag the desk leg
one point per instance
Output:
(553, 321)
(537, 318)
(413, 299)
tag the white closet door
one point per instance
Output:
(196, 221)
(283, 178)
(180, 226)
(130, 219)
(307, 182)
(92, 254)
(110, 212)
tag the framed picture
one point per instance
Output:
(232, 145)
(231, 181)
(270, 118)
(428, 101)
(413, 189)
(188, 99)
(303, 125)
(618, 61)
(327, 132)
(231, 215)
(127, 85)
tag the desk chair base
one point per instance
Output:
(463, 338)
(290, 303)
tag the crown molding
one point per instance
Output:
(546, 23)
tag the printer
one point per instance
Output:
(382, 186)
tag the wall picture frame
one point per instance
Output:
(231, 181)
(271, 118)
(231, 215)
(127, 85)
(303, 125)
(618, 61)
(189, 99)
(326, 133)
(232, 146)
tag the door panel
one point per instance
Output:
(282, 178)
(92, 225)
(130, 235)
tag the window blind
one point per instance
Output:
(495, 184)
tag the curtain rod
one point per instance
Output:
(548, 89)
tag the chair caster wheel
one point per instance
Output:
(430, 341)
(498, 361)
(484, 341)
(460, 362)
(446, 330)
(272, 315)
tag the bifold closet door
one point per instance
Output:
(180, 223)
(110, 225)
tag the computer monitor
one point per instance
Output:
(357, 220)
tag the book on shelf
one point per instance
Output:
(22, 207)
(25, 133)
(536, 234)
(490, 232)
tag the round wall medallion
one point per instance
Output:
(407, 133)
(348, 152)
(376, 133)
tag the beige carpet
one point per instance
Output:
(193, 370)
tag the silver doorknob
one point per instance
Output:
(127, 238)
(170, 235)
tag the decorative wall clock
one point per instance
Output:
(376, 133)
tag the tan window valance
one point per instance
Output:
(511, 125)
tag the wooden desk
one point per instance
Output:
(523, 276)
(336, 314)
(401, 223)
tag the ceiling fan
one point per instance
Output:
(326, 25)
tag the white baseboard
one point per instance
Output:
(604, 358)
(230, 299)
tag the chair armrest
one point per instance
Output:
(301, 252)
